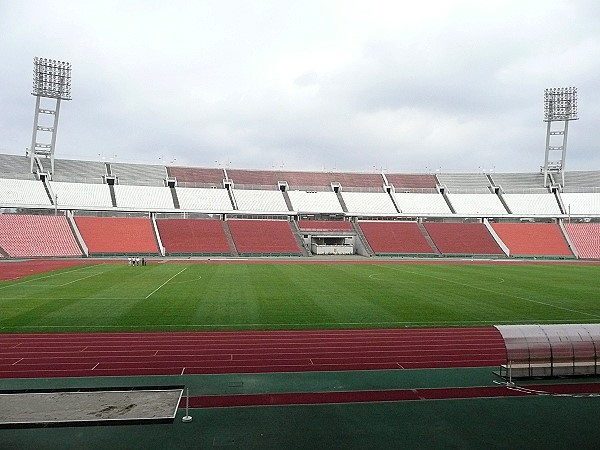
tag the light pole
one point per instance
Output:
(560, 106)
(51, 80)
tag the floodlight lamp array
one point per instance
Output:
(560, 104)
(51, 78)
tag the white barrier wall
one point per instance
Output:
(203, 199)
(260, 201)
(15, 192)
(315, 202)
(81, 195)
(364, 203)
(484, 204)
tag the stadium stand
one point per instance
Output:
(533, 239)
(20, 193)
(305, 180)
(204, 199)
(73, 171)
(144, 198)
(117, 235)
(396, 237)
(369, 203)
(462, 238)
(519, 182)
(14, 166)
(81, 195)
(465, 182)
(315, 202)
(196, 176)
(193, 236)
(23, 235)
(263, 237)
(586, 239)
(581, 203)
(324, 225)
(260, 201)
(139, 174)
(421, 204)
(523, 205)
(91, 186)
(404, 182)
(477, 204)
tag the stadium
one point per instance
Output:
(296, 309)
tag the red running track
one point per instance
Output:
(173, 353)
(312, 398)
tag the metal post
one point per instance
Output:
(187, 418)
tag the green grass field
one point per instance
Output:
(189, 296)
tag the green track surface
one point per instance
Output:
(525, 422)
(219, 296)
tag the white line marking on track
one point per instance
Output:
(17, 362)
(155, 290)
(97, 364)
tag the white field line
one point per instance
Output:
(155, 290)
(50, 276)
(79, 279)
(518, 297)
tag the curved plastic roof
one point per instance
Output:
(552, 350)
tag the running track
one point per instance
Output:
(174, 353)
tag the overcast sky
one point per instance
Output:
(348, 85)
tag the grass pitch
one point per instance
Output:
(219, 296)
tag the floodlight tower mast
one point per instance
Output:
(51, 80)
(560, 106)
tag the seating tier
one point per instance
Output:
(315, 202)
(477, 204)
(73, 171)
(16, 192)
(260, 201)
(81, 195)
(421, 204)
(584, 204)
(462, 238)
(24, 235)
(144, 198)
(204, 199)
(586, 239)
(132, 235)
(139, 174)
(395, 237)
(523, 205)
(205, 236)
(465, 182)
(369, 203)
(196, 176)
(263, 236)
(412, 182)
(533, 239)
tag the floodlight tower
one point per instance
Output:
(52, 80)
(560, 106)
